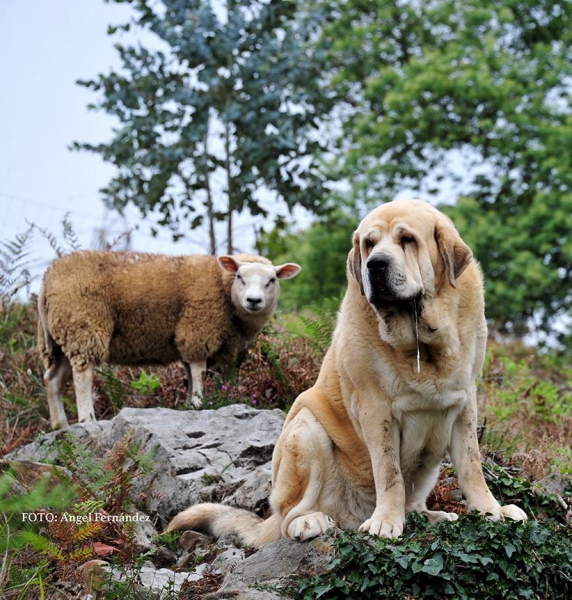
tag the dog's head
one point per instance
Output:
(406, 250)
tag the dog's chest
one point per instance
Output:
(424, 439)
(432, 396)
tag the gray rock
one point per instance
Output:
(27, 474)
(144, 533)
(219, 455)
(278, 565)
(554, 484)
(228, 560)
(151, 583)
(189, 540)
(164, 558)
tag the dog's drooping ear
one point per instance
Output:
(455, 253)
(354, 263)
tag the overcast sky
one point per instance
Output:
(45, 46)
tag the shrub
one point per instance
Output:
(80, 522)
(466, 559)
(526, 405)
(274, 371)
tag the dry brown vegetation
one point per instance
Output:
(525, 397)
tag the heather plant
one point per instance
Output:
(274, 371)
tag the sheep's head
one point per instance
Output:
(255, 287)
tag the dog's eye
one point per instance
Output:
(368, 244)
(406, 239)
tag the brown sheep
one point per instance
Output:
(128, 308)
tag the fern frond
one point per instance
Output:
(87, 474)
(16, 250)
(51, 239)
(42, 544)
(321, 325)
(86, 531)
(80, 555)
(114, 387)
(70, 235)
(88, 506)
(14, 261)
(124, 236)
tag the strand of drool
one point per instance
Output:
(417, 334)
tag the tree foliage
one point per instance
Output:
(322, 249)
(227, 108)
(467, 103)
(467, 100)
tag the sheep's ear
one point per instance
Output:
(228, 263)
(287, 271)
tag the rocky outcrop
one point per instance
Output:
(219, 455)
(274, 568)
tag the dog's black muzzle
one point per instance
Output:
(378, 273)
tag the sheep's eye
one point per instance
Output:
(240, 279)
(273, 280)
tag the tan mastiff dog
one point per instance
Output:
(396, 391)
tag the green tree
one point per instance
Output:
(321, 249)
(467, 99)
(226, 110)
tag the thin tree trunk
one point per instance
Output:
(230, 190)
(230, 182)
(210, 216)
(209, 203)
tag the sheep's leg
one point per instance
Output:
(55, 378)
(195, 372)
(83, 383)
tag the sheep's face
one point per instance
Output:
(255, 287)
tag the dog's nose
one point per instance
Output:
(379, 262)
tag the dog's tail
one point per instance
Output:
(218, 519)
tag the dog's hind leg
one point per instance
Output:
(303, 460)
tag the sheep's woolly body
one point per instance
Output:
(140, 309)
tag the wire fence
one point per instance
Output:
(94, 226)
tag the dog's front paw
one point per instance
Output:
(309, 526)
(436, 516)
(509, 511)
(383, 525)
(513, 512)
